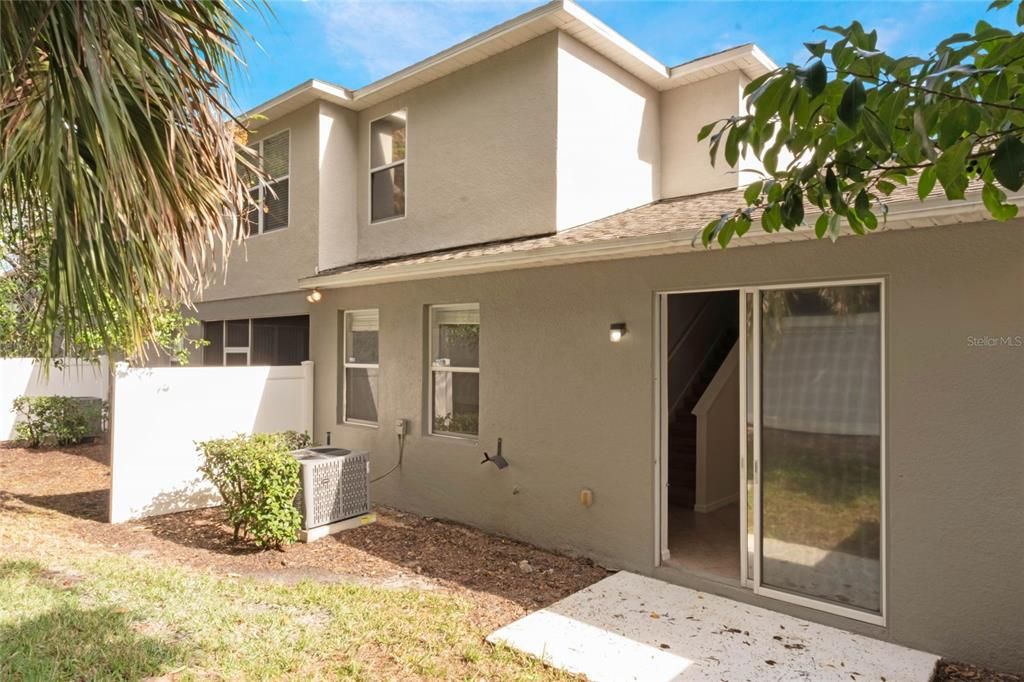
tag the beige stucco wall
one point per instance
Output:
(576, 411)
(338, 232)
(481, 156)
(274, 262)
(686, 166)
(609, 157)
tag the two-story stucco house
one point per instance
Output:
(497, 243)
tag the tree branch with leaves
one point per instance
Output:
(843, 131)
(116, 142)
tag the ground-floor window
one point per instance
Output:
(360, 366)
(455, 369)
(256, 341)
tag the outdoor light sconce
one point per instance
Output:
(314, 296)
(617, 331)
(498, 460)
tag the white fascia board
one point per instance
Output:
(302, 94)
(748, 58)
(935, 211)
(563, 15)
(658, 71)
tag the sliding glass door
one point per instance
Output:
(812, 446)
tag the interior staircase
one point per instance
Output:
(682, 429)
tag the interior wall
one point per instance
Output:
(718, 470)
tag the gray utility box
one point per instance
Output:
(335, 485)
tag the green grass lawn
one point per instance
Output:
(70, 610)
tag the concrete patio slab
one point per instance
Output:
(629, 627)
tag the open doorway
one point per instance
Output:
(702, 376)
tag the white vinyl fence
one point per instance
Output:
(158, 414)
(67, 377)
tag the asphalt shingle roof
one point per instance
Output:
(677, 215)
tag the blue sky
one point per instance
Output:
(354, 42)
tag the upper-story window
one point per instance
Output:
(270, 199)
(387, 167)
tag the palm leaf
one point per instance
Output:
(118, 149)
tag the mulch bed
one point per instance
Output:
(954, 671)
(502, 578)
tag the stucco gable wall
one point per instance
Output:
(686, 166)
(481, 157)
(609, 156)
(273, 262)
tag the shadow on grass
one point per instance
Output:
(68, 641)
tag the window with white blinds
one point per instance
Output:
(361, 366)
(269, 211)
(455, 369)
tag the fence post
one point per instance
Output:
(307, 397)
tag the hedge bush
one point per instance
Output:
(57, 420)
(258, 480)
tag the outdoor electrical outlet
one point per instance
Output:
(400, 427)
(586, 497)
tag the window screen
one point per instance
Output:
(455, 369)
(270, 199)
(213, 353)
(387, 166)
(280, 340)
(360, 363)
(259, 341)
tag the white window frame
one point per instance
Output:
(262, 186)
(346, 365)
(385, 166)
(437, 369)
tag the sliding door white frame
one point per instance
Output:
(661, 444)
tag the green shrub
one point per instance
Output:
(258, 480)
(57, 420)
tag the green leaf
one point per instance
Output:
(752, 192)
(725, 234)
(732, 147)
(816, 49)
(1008, 163)
(821, 225)
(792, 207)
(706, 130)
(951, 169)
(814, 78)
(995, 202)
(876, 131)
(851, 106)
(926, 183)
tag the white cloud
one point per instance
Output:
(380, 38)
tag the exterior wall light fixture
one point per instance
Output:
(617, 331)
(314, 296)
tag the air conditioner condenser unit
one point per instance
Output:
(335, 485)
